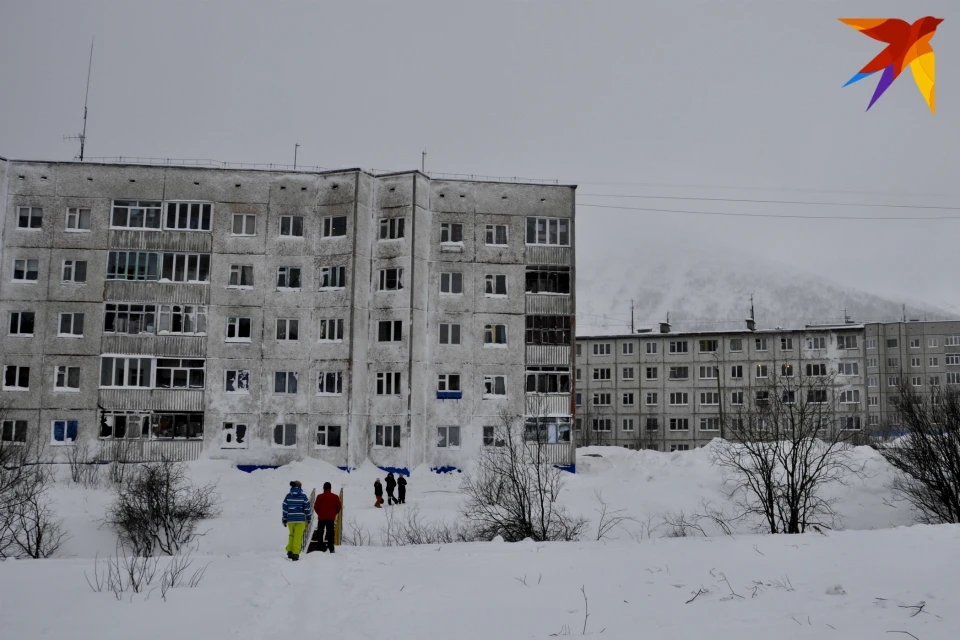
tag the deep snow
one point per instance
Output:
(636, 585)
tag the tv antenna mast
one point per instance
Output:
(83, 135)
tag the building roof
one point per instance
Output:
(721, 332)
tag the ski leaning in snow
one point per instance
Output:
(309, 531)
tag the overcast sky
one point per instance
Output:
(686, 93)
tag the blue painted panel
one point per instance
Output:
(572, 468)
(398, 470)
(445, 469)
(449, 395)
(250, 468)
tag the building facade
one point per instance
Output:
(264, 316)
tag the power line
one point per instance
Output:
(680, 185)
(831, 204)
(763, 215)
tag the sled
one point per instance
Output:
(310, 523)
(338, 523)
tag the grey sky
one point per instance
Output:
(679, 91)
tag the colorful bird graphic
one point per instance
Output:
(907, 44)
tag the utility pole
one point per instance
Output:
(83, 135)
(295, 147)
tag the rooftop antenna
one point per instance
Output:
(752, 317)
(423, 161)
(295, 147)
(83, 136)
(631, 315)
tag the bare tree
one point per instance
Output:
(927, 458)
(787, 443)
(513, 489)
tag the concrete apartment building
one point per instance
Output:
(263, 316)
(658, 390)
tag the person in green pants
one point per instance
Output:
(296, 515)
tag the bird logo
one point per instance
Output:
(907, 44)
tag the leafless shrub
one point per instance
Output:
(355, 534)
(159, 508)
(609, 520)
(412, 529)
(128, 573)
(84, 468)
(681, 525)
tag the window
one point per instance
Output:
(817, 342)
(553, 330)
(390, 331)
(551, 280)
(916, 381)
(736, 371)
(236, 381)
(78, 219)
(495, 335)
(494, 386)
(449, 333)
(602, 399)
(186, 267)
(285, 381)
(327, 436)
(627, 424)
(391, 279)
(451, 233)
(578, 350)
(819, 369)
(333, 226)
(579, 374)
(391, 228)
(330, 383)
(177, 426)
(850, 397)
(27, 270)
(760, 344)
(914, 343)
(130, 319)
(709, 397)
(786, 344)
(850, 423)
(761, 371)
(285, 435)
(708, 346)
(679, 447)
(871, 362)
(244, 224)
(709, 424)
(933, 362)
(387, 436)
(952, 360)
(736, 397)
(818, 396)
(651, 347)
(871, 382)
(627, 399)
(846, 342)
(234, 436)
(932, 343)
(495, 285)
(627, 348)
(388, 383)
(67, 378)
(894, 381)
(490, 438)
(891, 343)
(241, 275)
(736, 344)
(288, 329)
(126, 372)
(14, 431)
(180, 373)
(627, 373)
(21, 323)
(125, 425)
(893, 363)
(497, 235)
(192, 216)
(291, 226)
(333, 277)
(601, 373)
(678, 346)
(873, 401)
(915, 362)
(953, 377)
(679, 424)
(74, 272)
(448, 437)
(652, 399)
(64, 432)
(548, 231)
(330, 330)
(136, 214)
(951, 341)
(451, 283)
(448, 386)
(182, 319)
(871, 343)
(30, 217)
(548, 380)
(602, 424)
(679, 398)
(288, 278)
(709, 372)
(601, 349)
(786, 370)
(70, 325)
(16, 378)
(238, 329)
(653, 424)
(873, 420)
(678, 373)
(848, 369)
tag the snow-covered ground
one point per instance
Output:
(844, 584)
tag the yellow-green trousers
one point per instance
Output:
(295, 539)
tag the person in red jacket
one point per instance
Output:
(327, 506)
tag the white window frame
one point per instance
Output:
(61, 378)
(239, 273)
(602, 373)
(328, 326)
(679, 399)
(327, 227)
(287, 430)
(760, 344)
(492, 231)
(14, 427)
(736, 345)
(387, 436)
(389, 383)
(762, 371)
(392, 229)
(191, 274)
(288, 274)
(933, 362)
(291, 225)
(915, 343)
(678, 372)
(709, 423)
(544, 231)
(337, 274)
(454, 330)
(123, 312)
(182, 213)
(447, 232)
(492, 285)
(652, 348)
(709, 398)
(326, 430)
(679, 424)
(31, 213)
(652, 399)
(816, 342)
(246, 221)
(627, 398)
(21, 373)
(848, 369)
(68, 272)
(155, 206)
(25, 270)
(237, 377)
(448, 437)
(231, 430)
(384, 279)
(291, 327)
(141, 362)
(181, 366)
(626, 348)
(602, 399)
(190, 315)
(330, 383)
(236, 322)
(67, 441)
(490, 386)
(76, 214)
(627, 374)
(492, 334)
(288, 376)
(679, 346)
(73, 322)
(394, 331)
(452, 280)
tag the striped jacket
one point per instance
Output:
(296, 506)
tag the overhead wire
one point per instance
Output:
(761, 215)
(792, 202)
